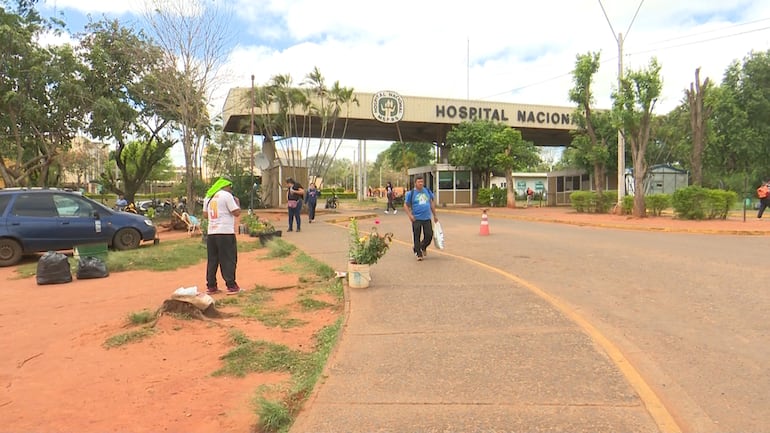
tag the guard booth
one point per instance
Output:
(453, 186)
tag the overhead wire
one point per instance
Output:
(645, 51)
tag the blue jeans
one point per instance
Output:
(294, 213)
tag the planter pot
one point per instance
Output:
(267, 237)
(358, 276)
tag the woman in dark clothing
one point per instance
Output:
(294, 202)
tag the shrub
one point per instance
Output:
(590, 201)
(695, 202)
(657, 202)
(627, 204)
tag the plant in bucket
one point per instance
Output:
(365, 250)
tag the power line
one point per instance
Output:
(557, 77)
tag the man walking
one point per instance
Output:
(221, 208)
(420, 206)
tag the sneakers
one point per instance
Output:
(212, 291)
(233, 290)
(419, 256)
(425, 253)
(290, 230)
(387, 212)
(395, 211)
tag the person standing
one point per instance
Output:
(420, 206)
(294, 202)
(763, 192)
(312, 200)
(221, 208)
(530, 196)
(121, 202)
(390, 194)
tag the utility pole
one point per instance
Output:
(621, 137)
(251, 156)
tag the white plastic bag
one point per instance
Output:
(438, 235)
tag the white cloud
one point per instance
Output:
(508, 51)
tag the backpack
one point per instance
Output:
(763, 191)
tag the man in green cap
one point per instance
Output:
(221, 208)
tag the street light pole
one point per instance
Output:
(251, 157)
(621, 138)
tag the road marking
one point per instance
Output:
(655, 407)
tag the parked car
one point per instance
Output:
(38, 220)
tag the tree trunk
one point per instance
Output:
(510, 193)
(698, 115)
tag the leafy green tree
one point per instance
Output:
(404, 155)
(41, 97)
(128, 102)
(737, 151)
(595, 128)
(634, 103)
(486, 146)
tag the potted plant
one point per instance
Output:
(262, 229)
(365, 250)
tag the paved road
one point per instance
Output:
(551, 327)
(688, 310)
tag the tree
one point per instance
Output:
(591, 139)
(41, 98)
(128, 102)
(486, 146)
(737, 151)
(404, 155)
(291, 113)
(194, 37)
(699, 113)
(633, 105)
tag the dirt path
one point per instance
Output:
(56, 375)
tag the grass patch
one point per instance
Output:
(279, 248)
(279, 415)
(259, 356)
(273, 318)
(274, 416)
(309, 269)
(128, 337)
(166, 256)
(310, 304)
(141, 317)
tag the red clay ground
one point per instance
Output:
(56, 375)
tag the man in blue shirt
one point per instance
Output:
(420, 206)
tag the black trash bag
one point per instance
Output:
(91, 267)
(53, 268)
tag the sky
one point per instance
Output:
(503, 51)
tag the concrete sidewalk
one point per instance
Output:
(467, 351)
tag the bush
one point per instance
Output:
(485, 197)
(657, 202)
(496, 197)
(695, 202)
(627, 204)
(590, 201)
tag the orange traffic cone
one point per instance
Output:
(484, 230)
